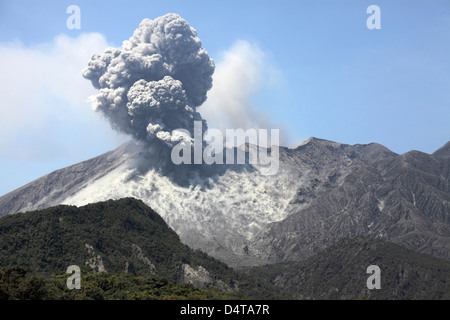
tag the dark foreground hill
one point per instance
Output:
(340, 272)
(126, 251)
(114, 237)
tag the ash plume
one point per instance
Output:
(151, 87)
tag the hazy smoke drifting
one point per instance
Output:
(152, 86)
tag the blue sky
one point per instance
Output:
(314, 69)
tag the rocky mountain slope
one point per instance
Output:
(404, 199)
(324, 191)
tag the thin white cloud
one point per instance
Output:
(241, 73)
(43, 105)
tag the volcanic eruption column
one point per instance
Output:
(150, 88)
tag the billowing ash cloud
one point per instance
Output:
(152, 86)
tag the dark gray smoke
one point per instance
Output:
(153, 85)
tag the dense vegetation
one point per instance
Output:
(122, 232)
(19, 283)
(126, 251)
(123, 238)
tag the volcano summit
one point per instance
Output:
(322, 191)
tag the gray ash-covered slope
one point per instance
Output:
(324, 191)
(53, 188)
(401, 198)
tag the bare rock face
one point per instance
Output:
(199, 277)
(138, 254)
(94, 261)
(324, 191)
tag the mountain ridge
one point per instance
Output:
(443, 151)
(407, 195)
(235, 214)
